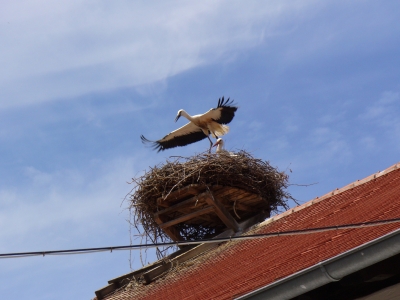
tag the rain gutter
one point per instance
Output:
(330, 270)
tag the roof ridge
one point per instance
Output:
(332, 193)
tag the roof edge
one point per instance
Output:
(330, 270)
(332, 193)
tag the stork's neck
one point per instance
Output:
(186, 115)
(220, 148)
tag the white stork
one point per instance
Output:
(200, 127)
(220, 148)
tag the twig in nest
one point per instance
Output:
(234, 210)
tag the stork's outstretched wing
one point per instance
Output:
(183, 136)
(224, 112)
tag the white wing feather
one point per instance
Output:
(184, 130)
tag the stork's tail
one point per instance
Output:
(221, 130)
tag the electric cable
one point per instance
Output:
(203, 241)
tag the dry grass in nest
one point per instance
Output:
(240, 171)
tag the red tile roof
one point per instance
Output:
(238, 267)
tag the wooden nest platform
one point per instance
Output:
(201, 196)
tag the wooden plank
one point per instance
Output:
(228, 199)
(184, 218)
(252, 198)
(188, 190)
(226, 191)
(230, 194)
(182, 204)
(240, 206)
(100, 294)
(172, 232)
(136, 273)
(222, 213)
(216, 188)
(243, 195)
(236, 194)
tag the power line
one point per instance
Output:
(204, 241)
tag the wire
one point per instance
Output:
(204, 241)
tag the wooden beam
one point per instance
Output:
(228, 200)
(100, 294)
(230, 194)
(136, 274)
(223, 213)
(182, 204)
(247, 197)
(226, 191)
(172, 232)
(216, 188)
(240, 196)
(191, 189)
(252, 198)
(241, 206)
(184, 218)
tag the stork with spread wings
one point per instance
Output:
(199, 127)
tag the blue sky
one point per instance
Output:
(317, 83)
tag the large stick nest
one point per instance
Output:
(240, 171)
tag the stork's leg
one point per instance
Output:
(214, 135)
(209, 151)
(211, 144)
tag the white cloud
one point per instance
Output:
(369, 143)
(327, 145)
(64, 205)
(383, 115)
(254, 125)
(280, 143)
(67, 48)
(383, 108)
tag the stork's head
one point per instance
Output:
(178, 115)
(219, 142)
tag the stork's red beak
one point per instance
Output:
(216, 144)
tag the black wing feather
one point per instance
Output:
(153, 144)
(227, 109)
(177, 141)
